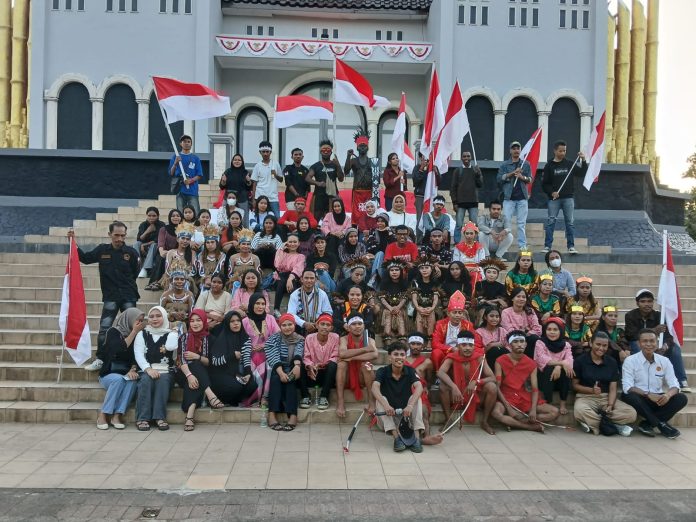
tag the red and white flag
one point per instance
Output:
(189, 101)
(452, 134)
(434, 117)
(668, 294)
(530, 153)
(73, 311)
(594, 154)
(399, 143)
(352, 88)
(291, 110)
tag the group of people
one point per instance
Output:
(420, 283)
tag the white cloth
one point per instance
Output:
(266, 184)
(139, 347)
(655, 377)
(402, 219)
(295, 304)
(452, 333)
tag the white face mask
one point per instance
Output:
(231, 202)
(555, 263)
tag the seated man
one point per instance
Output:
(645, 316)
(439, 219)
(308, 302)
(439, 250)
(645, 375)
(471, 375)
(398, 386)
(447, 329)
(517, 407)
(495, 231)
(321, 359)
(355, 353)
(290, 218)
(424, 368)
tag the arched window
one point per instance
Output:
(385, 134)
(564, 124)
(308, 135)
(120, 118)
(252, 128)
(479, 110)
(158, 139)
(521, 121)
(74, 117)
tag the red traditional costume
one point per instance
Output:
(471, 255)
(353, 383)
(512, 385)
(424, 396)
(462, 377)
(439, 340)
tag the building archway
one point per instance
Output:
(479, 110)
(521, 120)
(120, 118)
(252, 128)
(564, 124)
(74, 120)
(157, 137)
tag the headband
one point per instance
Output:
(526, 253)
(584, 279)
(244, 239)
(185, 233)
(416, 339)
(212, 238)
(470, 226)
(300, 199)
(286, 317)
(610, 308)
(265, 149)
(178, 272)
(325, 317)
(545, 277)
(362, 140)
(465, 340)
(355, 319)
(516, 338)
(577, 308)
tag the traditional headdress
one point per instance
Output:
(577, 308)
(525, 253)
(425, 260)
(211, 233)
(546, 275)
(493, 262)
(178, 268)
(456, 302)
(394, 263)
(362, 136)
(245, 235)
(610, 306)
(583, 279)
(185, 229)
(470, 225)
(357, 262)
(560, 322)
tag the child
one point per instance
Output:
(490, 292)
(546, 303)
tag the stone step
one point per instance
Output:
(38, 337)
(53, 307)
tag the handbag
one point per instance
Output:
(175, 184)
(120, 367)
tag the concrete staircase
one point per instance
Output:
(30, 342)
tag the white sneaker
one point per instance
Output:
(142, 274)
(584, 427)
(624, 430)
(572, 250)
(685, 387)
(545, 250)
(95, 366)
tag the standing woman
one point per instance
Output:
(395, 180)
(289, 264)
(119, 364)
(259, 326)
(192, 361)
(554, 359)
(230, 361)
(166, 241)
(335, 224)
(154, 352)
(521, 316)
(522, 275)
(284, 353)
(237, 179)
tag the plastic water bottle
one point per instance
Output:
(264, 416)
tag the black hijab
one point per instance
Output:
(225, 341)
(553, 346)
(237, 171)
(307, 234)
(341, 216)
(258, 319)
(171, 227)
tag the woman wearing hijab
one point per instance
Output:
(236, 182)
(305, 233)
(554, 359)
(166, 241)
(351, 250)
(118, 374)
(284, 352)
(154, 352)
(230, 361)
(259, 326)
(335, 224)
(192, 361)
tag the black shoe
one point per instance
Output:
(668, 431)
(646, 429)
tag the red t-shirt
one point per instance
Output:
(408, 253)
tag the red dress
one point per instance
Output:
(514, 379)
(462, 377)
(424, 396)
(439, 341)
(353, 383)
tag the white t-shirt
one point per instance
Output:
(266, 184)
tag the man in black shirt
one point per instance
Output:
(466, 180)
(295, 183)
(324, 175)
(555, 173)
(118, 269)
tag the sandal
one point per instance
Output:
(289, 427)
(143, 426)
(277, 426)
(162, 425)
(189, 426)
(216, 404)
(153, 287)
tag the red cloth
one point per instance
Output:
(462, 377)
(347, 196)
(408, 253)
(353, 383)
(293, 215)
(424, 396)
(359, 198)
(515, 376)
(393, 187)
(367, 223)
(440, 347)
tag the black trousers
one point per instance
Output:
(229, 390)
(493, 353)
(282, 396)
(281, 288)
(266, 257)
(547, 386)
(653, 413)
(326, 378)
(193, 396)
(531, 343)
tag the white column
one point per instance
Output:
(414, 135)
(373, 129)
(143, 124)
(231, 126)
(51, 122)
(499, 135)
(97, 123)
(544, 124)
(585, 128)
(188, 129)
(221, 153)
(273, 135)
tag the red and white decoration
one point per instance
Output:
(530, 153)
(352, 88)
(291, 110)
(668, 293)
(452, 134)
(73, 311)
(434, 117)
(594, 154)
(189, 101)
(339, 49)
(399, 143)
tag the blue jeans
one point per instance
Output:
(377, 264)
(674, 354)
(326, 280)
(519, 209)
(186, 199)
(109, 312)
(274, 206)
(461, 212)
(568, 207)
(119, 393)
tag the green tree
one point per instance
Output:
(690, 209)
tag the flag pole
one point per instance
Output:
(473, 149)
(169, 132)
(333, 101)
(536, 137)
(568, 175)
(662, 307)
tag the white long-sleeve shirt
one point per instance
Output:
(139, 347)
(295, 303)
(655, 377)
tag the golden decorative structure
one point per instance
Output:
(632, 84)
(14, 70)
(5, 65)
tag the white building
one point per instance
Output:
(521, 64)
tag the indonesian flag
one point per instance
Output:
(530, 153)
(452, 134)
(434, 117)
(291, 110)
(594, 154)
(189, 101)
(399, 144)
(668, 293)
(352, 88)
(73, 311)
